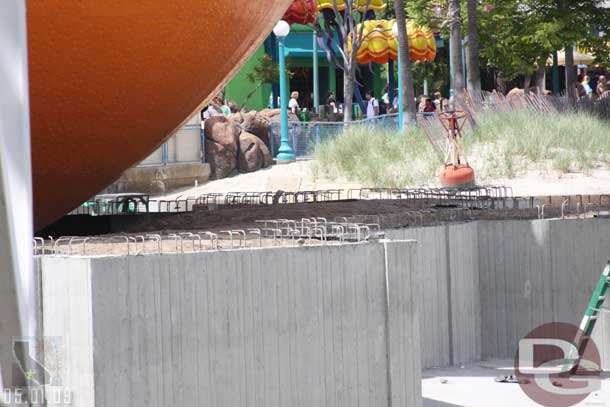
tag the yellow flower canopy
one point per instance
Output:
(376, 5)
(380, 45)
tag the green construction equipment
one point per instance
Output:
(592, 314)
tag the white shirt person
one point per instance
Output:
(293, 104)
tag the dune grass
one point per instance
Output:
(502, 145)
(377, 157)
(568, 142)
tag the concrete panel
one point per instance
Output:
(431, 274)
(68, 316)
(463, 255)
(271, 327)
(515, 277)
(447, 271)
(403, 324)
(502, 279)
(536, 272)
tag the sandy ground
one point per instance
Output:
(299, 176)
(474, 386)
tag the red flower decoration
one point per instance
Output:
(302, 12)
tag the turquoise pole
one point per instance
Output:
(400, 101)
(450, 70)
(286, 154)
(316, 77)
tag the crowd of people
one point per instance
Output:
(596, 88)
(387, 104)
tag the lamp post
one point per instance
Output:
(316, 76)
(286, 154)
(400, 104)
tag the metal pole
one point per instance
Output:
(18, 286)
(450, 70)
(555, 73)
(286, 153)
(391, 84)
(274, 87)
(464, 62)
(316, 77)
(400, 101)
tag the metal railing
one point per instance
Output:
(483, 197)
(305, 137)
(272, 233)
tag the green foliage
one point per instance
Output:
(267, 71)
(503, 145)
(517, 34)
(436, 72)
(378, 158)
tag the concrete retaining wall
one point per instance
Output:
(485, 285)
(537, 272)
(447, 277)
(313, 326)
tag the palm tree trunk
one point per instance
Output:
(349, 79)
(541, 76)
(472, 57)
(455, 30)
(570, 74)
(408, 93)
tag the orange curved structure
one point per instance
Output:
(111, 80)
(361, 5)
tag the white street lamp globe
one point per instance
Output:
(395, 29)
(281, 29)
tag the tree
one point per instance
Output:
(345, 24)
(517, 36)
(454, 21)
(408, 94)
(570, 73)
(472, 52)
(266, 72)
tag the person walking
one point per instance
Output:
(372, 107)
(293, 105)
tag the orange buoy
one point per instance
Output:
(457, 173)
(111, 80)
(457, 176)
